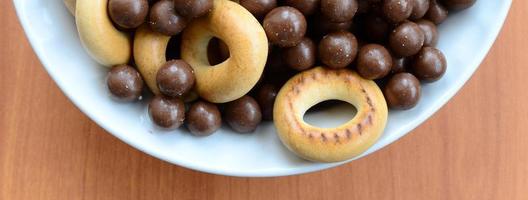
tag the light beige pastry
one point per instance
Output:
(107, 45)
(329, 144)
(248, 47)
(70, 4)
(149, 54)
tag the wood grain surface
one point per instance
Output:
(476, 147)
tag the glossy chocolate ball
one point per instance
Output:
(203, 118)
(339, 10)
(167, 112)
(175, 78)
(285, 26)
(125, 83)
(164, 20)
(301, 56)
(406, 39)
(402, 91)
(429, 64)
(338, 49)
(374, 61)
(128, 13)
(193, 8)
(243, 115)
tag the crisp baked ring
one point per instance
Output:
(329, 144)
(107, 45)
(70, 4)
(149, 54)
(248, 47)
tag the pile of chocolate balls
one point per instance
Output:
(389, 41)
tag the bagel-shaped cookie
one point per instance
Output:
(70, 4)
(329, 144)
(248, 47)
(149, 54)
(107, 45)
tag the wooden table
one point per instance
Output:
(475, 147)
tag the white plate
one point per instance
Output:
(465, 38)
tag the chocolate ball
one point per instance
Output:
(402, 91)
(430, 32)
(193, 8)
(259, 8)
(323, 26)
(420, 7)
(125, 83)
(436, 13)
(243, 115)
(175, 78)
(458, 4)
(339, 10)
(363, 7)
(429, 65)
(266, 99)
(302, 56)
(285, 26)
(406, 39)
(164, 20)
(276, 70)
(203, 118)
(338, 49)
(397, 10)
(376, 28)
(307, 7)
(374, 61)
(167, 112)
(400, 64)
(128, 13)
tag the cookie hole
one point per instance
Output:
(217, 51)
(173, 48)
(330, 114)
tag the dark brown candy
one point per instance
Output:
(400, 64)
(338, 49)
(397, 10)
(339, 10)
(302, 56)
(323, 26)
(285, 26)
(164, 20)
(307, 7)
(430, 32)
(125, 83)
(429, 65)
(259, 8)
(167, 112)
(243, 115)
(376, 28)
(363, 7)
(128, 13)
(406, 39)
(420, 7)
(374, 61)
(402, 91)
(266, 99)
(175, 78)
(276, 70)
(193, 8)
(436, 13)
(203, 118)
(458, 4)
